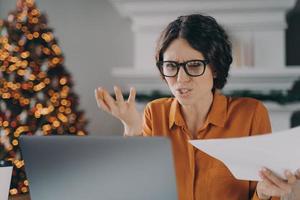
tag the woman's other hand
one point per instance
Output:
(125, 111)
(272, 185)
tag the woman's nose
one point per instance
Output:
(182, 76)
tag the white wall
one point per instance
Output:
(94, 38)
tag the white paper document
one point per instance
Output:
(5, 177)
(245, 156)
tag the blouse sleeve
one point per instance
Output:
(261, 121)
(147, 121)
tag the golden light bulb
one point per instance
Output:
(55, 60)
(21, 72)
(39, 86)
(21, 42)
(35, 12)
(39, 106)
(24, 64)
(24, 29)
(42, 75)
(37, 114)
(53, 99)
(29, 36)
(63, 81)
(47, 81)
(15, 142)
(47, 36)
(56, 49)
(46, 127)
(26, 182)
(6, 95)
(68, 111)
(56, 123)
(18, 26)
(64, 102)
(72, 129)
(80, 133)
(61, 109)
(24, 189)
(35, 20)
(6, 131)
(31, 77)
(19, 63)
(36, 34)
(46, 51)
(62, 117)
(12, 68)
(9, 148)
(25, 54)
(5, 124)
(13, 191)
(45, 111)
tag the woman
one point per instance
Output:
(193, 56)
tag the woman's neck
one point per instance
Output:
(196, 114)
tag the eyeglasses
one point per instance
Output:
(191, 67)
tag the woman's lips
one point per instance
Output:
(184, 91)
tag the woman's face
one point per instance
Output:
(186, 89)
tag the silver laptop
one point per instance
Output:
(99, 168)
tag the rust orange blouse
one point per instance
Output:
(199, 176)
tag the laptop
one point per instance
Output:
(99, 168)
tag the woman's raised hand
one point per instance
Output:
(125, 111)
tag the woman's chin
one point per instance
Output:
(184, 101)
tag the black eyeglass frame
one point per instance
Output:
(159, 65)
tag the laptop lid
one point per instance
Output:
(108, 168)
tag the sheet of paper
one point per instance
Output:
(5, 177)
(245, 156)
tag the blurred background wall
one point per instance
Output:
(94, 38)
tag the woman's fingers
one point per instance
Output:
(109, 101)
(297, 174)
(119, 95)
(268, 187)
(100, 100)
(291, 178)
(132, 94)
(276, 180)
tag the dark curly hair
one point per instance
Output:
(205, 35)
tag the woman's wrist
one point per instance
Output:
(132, 130)
(262, 196)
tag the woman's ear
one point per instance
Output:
(213, 71)
(215, 74)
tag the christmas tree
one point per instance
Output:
(36, 96)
